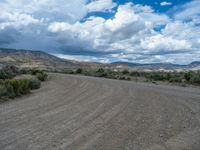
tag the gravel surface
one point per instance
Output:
(76, 112)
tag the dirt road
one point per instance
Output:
(74, 112)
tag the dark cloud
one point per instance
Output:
(8, 36)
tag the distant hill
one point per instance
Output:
(37, 59)
(42, 60)
(159, 66)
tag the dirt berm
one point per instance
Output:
(86, 113)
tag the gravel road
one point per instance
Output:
(86, 113)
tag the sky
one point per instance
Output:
(139, 31)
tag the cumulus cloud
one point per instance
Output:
(100, 5)
(165, 3)
(127, 27)
(16, 20)
(135, 32)
(189, 12)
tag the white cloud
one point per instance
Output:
(16, 20)
(129, 25)
(129, 35)
(100, 5)
(62, 10)
(189, 11)
(163, 43)
(165, 3)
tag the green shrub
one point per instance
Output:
(2, 90)
(9, 92)
(122, 78)
(135, 74)
(195, 79)
(35, 71)
(42, 76)
(158, 76)
(100, 70)
(15, 85)
(175, 79)
(20, 87)
(79, 71)
(128, 78)
(125, 71)
(69, 71)
(24, 86)
(34, 84)
(25, 71)
(6, 74)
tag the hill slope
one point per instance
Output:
(37, 59)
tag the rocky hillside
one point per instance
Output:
(37, 59)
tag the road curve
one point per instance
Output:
(86, 113)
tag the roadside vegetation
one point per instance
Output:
(182, 78)
(11, 86)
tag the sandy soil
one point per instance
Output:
(74, 112)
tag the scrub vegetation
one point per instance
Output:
(187, 77)
(11, 87)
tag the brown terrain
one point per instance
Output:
(87, 113)
(41, 60)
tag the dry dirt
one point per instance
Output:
(75, 112)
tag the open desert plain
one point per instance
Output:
(77, 112)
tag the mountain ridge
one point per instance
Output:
(43, 60)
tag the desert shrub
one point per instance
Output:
(135, 74)
(168, 76)
(100, 70)
(195, 79)
(2, 90)
(69, 71)
(42, 76)
(25, 71)
(12, 69)
(128, 78)
(34, 84)
(6, 74)
(8, 90)
(20, 87)
(122, 78)
(175, 79)
(79, 70)
(156, 76)
(15, 85)
(13, 88)
(125, 71)
(24, 86)
(35, 71)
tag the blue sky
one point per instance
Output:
(142, 31)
